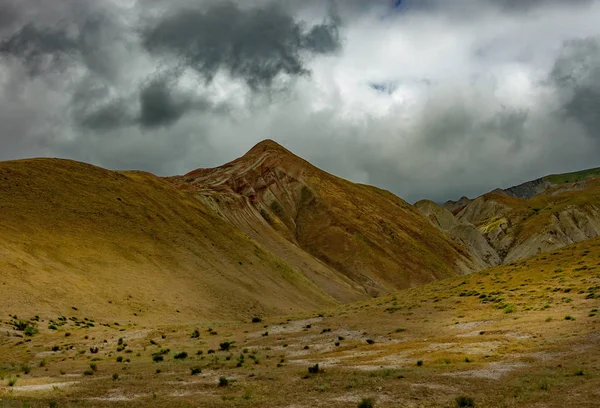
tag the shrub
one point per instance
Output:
(225, 345)
(400, 330)
(370, 341)
(509, 309)
(26, 368)
(52, 404)
(420, 363)
(314, 369)
(115, 377)
(569, 317)
(195, 334)
(94, 350)
(157, 357)
(12, 381)
(223, 382)
(464, 402)
(256, 320)
(88, 372)
(94, 367)
(119, 359)
(366, 403)
(195, 370)
(579, 373)
(181, 356)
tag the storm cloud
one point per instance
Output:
(426, 98)
(255, 45)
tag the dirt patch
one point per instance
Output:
(494, 371)
(43, 387)
(469, 325)
(293, 326)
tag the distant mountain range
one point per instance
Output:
(505, 225)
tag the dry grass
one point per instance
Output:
(468, 344)
(129, 247)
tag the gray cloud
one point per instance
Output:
(256, 45)
(576, 76)
(434, 99)
(40, 49)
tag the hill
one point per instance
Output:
(371, 236)
(534, 217)
(130, 247)
(266, 234)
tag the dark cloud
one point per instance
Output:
(168, 86)
(40, 49)
(161, 105)
(576, 76)
(256, 45)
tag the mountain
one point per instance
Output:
(371, 237)
(265, 234)
(537, 216)
(129, 246)
(569, 181)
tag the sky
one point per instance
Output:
(428, 99)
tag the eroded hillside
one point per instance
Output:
(532, 218)
(375, 239)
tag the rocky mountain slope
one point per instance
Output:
(373, 238)
(265, 234)
(534, 217)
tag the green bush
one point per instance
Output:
(509, 309)
(223, 382)
(366, 403)
(465, 402)
(181, 356)
(195, 371)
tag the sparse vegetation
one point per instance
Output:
(465, 402)
(181, 356)
(366, 403)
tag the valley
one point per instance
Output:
(269, 282)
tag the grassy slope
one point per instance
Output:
(124, 244)
(499, 336)
(573, 177)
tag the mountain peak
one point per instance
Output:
(268, 145)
